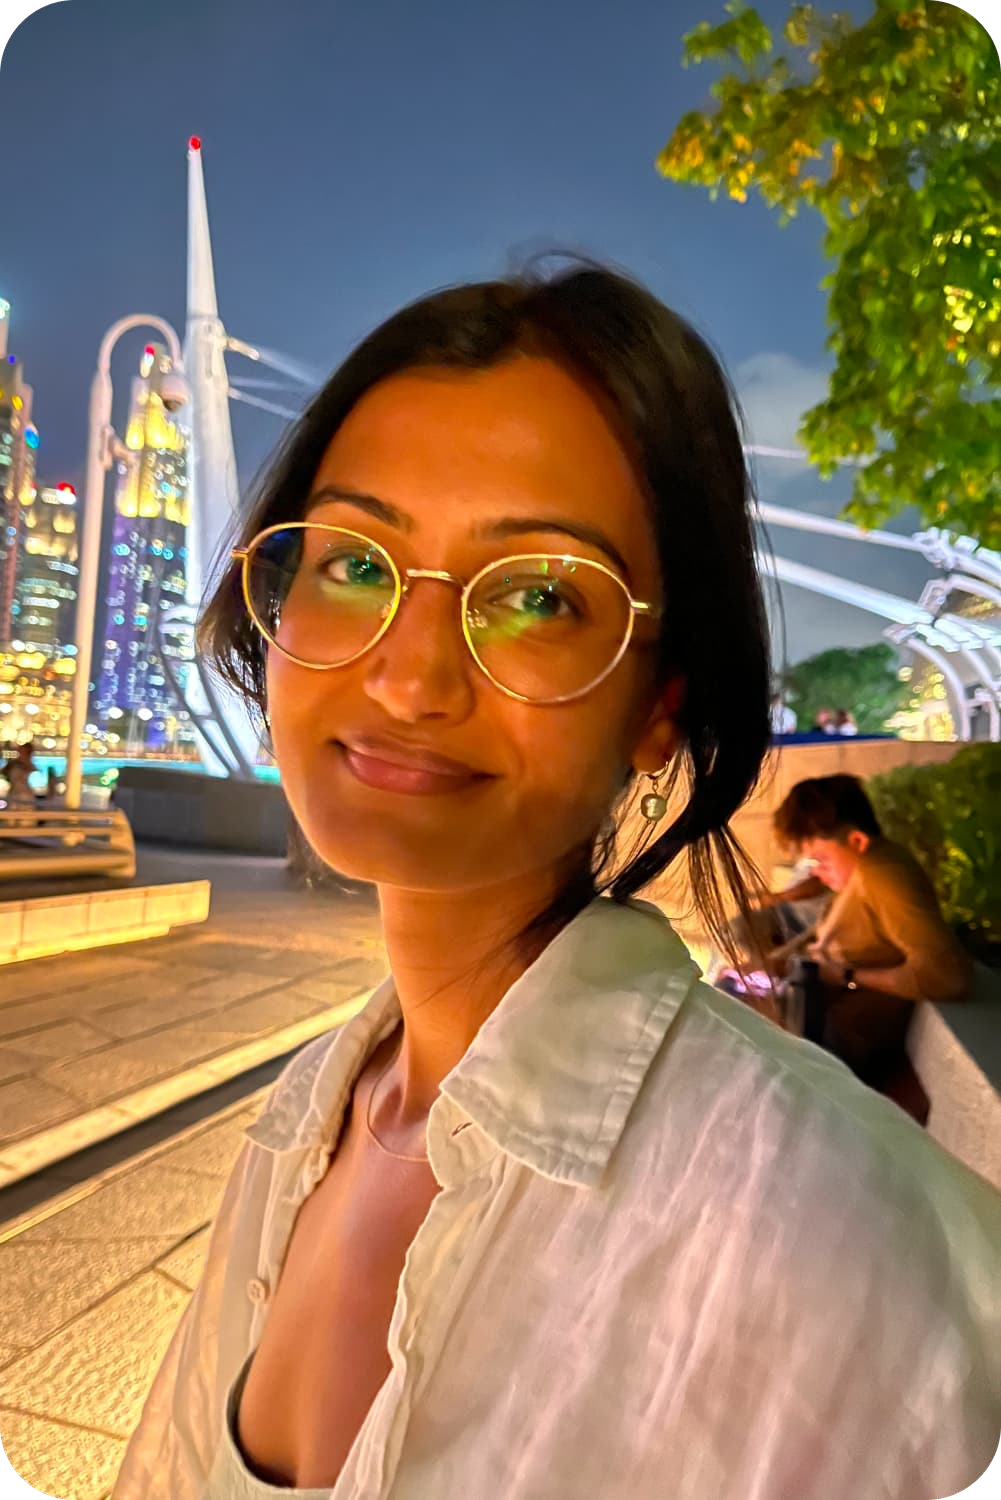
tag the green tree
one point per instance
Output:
(864, 680)
(891, 130)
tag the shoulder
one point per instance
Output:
(825, 1201)
(886, 864)
(799, 1129)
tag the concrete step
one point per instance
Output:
(44, 926)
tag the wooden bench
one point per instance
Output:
(37, 843)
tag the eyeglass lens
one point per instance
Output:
(542, 627)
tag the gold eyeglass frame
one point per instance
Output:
(403, 581)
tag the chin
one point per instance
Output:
(387, 854)
(428, 856)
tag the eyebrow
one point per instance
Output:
(507, 526)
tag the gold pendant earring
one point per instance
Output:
(653, 806)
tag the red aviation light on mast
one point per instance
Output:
(195, 143)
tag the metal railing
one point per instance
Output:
(36, 842)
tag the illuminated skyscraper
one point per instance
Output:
(45, 588)
(18, 443)
(146, 572)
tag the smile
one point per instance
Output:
(419, 773)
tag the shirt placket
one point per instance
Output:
(467, 1166)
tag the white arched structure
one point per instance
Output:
(926, 626)
(228, 741)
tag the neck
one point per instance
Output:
(453, 956)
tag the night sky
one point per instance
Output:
(360, 152)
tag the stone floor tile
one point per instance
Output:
(44, 976)
(46, 1284)
(32, 1016)
(30, 1104)
(97, 1372)
(71, 1039)
(210, 1153)
(69, 1462)
(150, 1199)
(270, 1012)
(105, 1076)
(236, 985)
(155, 1012)
(13, 1064)
(332, 988)
(186, 1262)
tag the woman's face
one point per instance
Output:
(447, 456)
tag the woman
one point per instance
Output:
(549, 1217)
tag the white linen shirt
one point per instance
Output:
(677, 1253)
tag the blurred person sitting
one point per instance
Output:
(883, 943)
(844, 723)
(823, 722)
(17, 772)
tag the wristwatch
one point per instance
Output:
(848, 982)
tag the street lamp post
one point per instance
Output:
(99, 458)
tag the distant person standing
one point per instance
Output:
(844, 723)
(784, 720)
(17, 772)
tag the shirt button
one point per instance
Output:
(257, 1290)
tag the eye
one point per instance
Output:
(355, 569)
(535, 599)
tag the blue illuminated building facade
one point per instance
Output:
(135, 707)
(18, 447)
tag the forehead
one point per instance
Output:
(820, 844)
(453, 448)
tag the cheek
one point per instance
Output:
(298, 708)
(559, 770)
(578, 753)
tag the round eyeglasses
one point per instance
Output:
(544, 627)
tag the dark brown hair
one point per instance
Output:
(825, 807)
(673, 409)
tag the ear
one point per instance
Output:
(858, 841)
(661, 735)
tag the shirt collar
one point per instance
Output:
(553, 1072)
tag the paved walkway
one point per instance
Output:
(93, 1287)
(92, 1042)
(94, 1281)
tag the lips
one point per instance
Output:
(391, 766)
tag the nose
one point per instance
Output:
(422, 669)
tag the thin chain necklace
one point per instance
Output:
(398, 1155)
